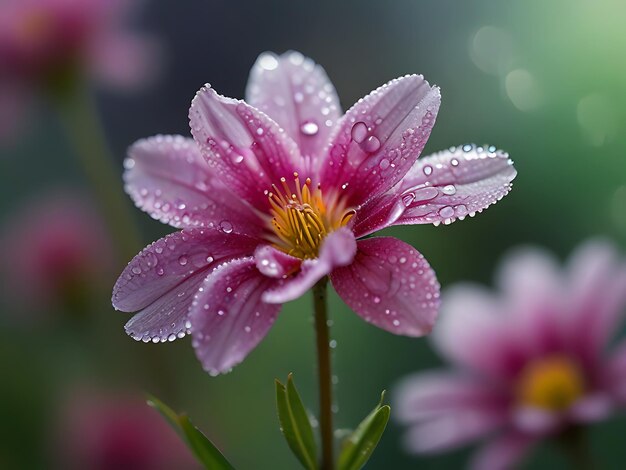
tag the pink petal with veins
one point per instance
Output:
(243, 146)
(160, 282)
(228, 318)
(167, 177)
(338, 249)
(275, 263)
(297, 94)
(391, 285)
(380, 137)
(442, 187)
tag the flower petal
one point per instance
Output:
(159, 283)
(502, 453)
(228, 318)
(442, 187)
(469, 314)
(297, 94)
(391, 285)
(338, 249)
(429, 394)
(380, 138)
(536, 421)
(597, 284)
(275, 263)
(452, 430)
(167, 177)
(244, 147)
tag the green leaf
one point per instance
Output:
(358, 447)
(295, 424)
(204, 450)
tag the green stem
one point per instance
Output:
(81, 123)
(574, 443)
(324, 372)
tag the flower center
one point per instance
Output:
(553, 383)
(302, 217)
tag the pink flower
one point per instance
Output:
(528, 362)
(271, 203)
(100, 431)
(44, 41)
(53, 247)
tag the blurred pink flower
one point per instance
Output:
(271, 203)
(42, 41)
(53, 245)
(100, 431)
(528, 362)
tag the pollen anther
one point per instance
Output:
(302, 217)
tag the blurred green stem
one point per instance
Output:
(574, 443)
(82, 125)
(324, 372)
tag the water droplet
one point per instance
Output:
(226, 226)
(447, 212)
(160, 271)
(332, 344)
(309, 128)
(454, 162)
(182, 260)
(268, 62)
(428, 170)
(359, 132)
(136, 270)
(237, 158)
(467, 147)
(449, 190)
(425, 194)
(376, 300)
(372, 144)
(260, 131)
(384, 164)
(247, 329)
(221, 313)
(209, 259)
(171, 337)
(396, 322)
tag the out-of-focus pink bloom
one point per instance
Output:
(100, 431)
(46, 40)
(272, 195)
(53, 245)
(528, 362)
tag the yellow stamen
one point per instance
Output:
(553, 383)
(301, 217)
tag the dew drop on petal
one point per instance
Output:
(160, 271)
(428, 170)
(309, 128)
(372, 144)
(449, 190)
(268, 62)
(447, 212)
(359, 132)
(182, 260)
(384, 164)
(226, 226)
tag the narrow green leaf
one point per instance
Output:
(295, 424)
(360, 445)
(204, 450)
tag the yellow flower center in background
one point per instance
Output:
(301, 217)
(552, 383)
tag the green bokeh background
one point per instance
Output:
(543, 80)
